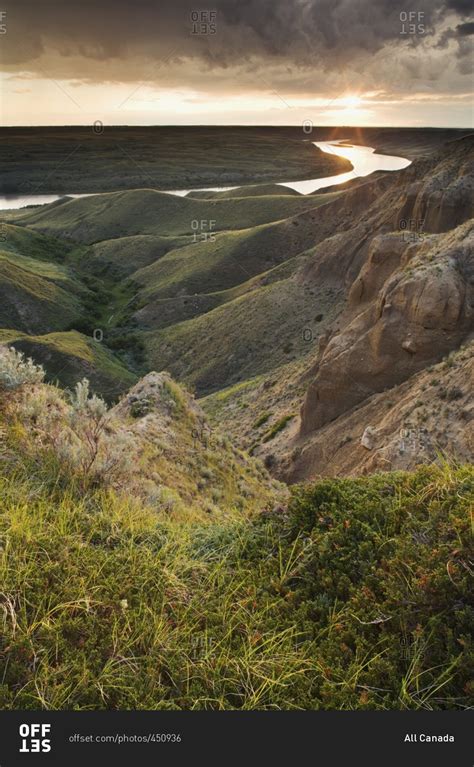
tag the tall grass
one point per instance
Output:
(357, 596)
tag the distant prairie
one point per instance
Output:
(75, 160)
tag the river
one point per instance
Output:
(365, 160)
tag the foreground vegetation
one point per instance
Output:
(355, 595)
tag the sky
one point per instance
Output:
(238, 62)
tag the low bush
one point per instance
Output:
(355, 596)
(16, 370)
(277, 427)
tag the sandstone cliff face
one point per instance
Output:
(408, 269)
(394, 327)
(443, 196)
(426, 417)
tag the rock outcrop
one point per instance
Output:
(410, 305)
(408, 270)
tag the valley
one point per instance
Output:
(243, 294)
(236, 381)
(236, 441)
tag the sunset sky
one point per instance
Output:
(264, 62)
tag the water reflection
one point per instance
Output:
(365, 160)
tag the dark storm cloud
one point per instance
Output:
(463, 7)
(463, 30)
(297, 33)
(460, 33)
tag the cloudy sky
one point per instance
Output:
(277, 62)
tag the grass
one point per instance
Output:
(148, 212)
(17, 239)
(261, 420)
(277, 427)
(47, 270)
(356, 597)
(36, 296)
(229, 258)
(49, 292)
(123, 256)
(257, 326)
(71, 356)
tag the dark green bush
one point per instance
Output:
(358, 595)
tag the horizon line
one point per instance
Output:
(243, 125)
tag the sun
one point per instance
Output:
(350, 102)
(350, 109)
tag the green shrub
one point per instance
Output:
(261, 420)
(141, 407)
(277, 427)
(16, 370)
(356, 596)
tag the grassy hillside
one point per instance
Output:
(262, 329)
(249, 190)
(227, 259)
(165, 295)
(17, 239)
(354, 597)
(40, 291)
(154, 443)
(122, 256)
(146, 211)
(36, 296)
(152, 295)
(68, 357)
(47, 287)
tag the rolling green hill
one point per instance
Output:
(45, 289)
(229, 258)
(25, 242)
(69, 357)
(158, 288)
(262, 329)
(122, 256)
(146, 211)
(36, 296)
(250, 190)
